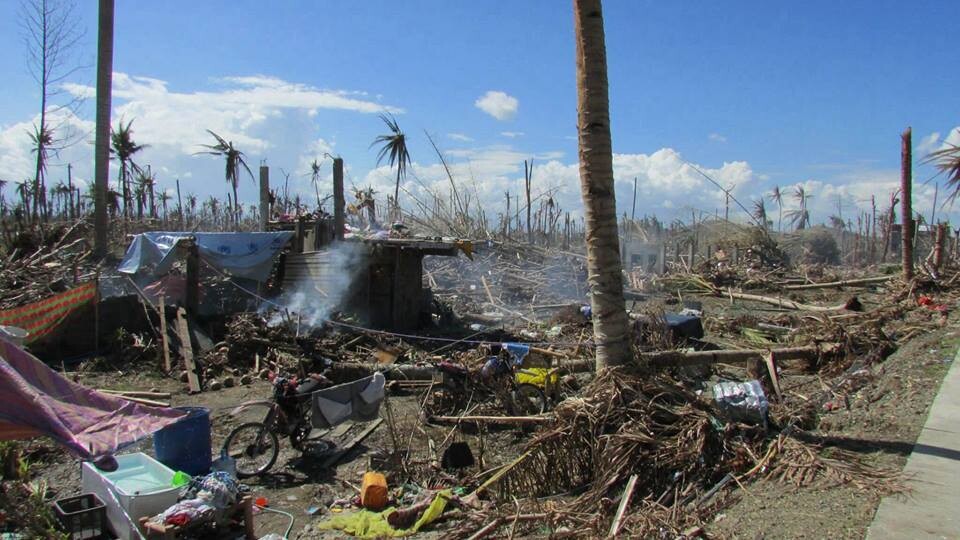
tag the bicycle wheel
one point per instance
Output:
(529, 399)
(253, 458)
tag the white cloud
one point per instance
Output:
(497, 104)
(179, 119)
(512, 134)
(716, 137)
(460, 137)
(18, 162)
(953, 138)
(927, 144)
(486, 174)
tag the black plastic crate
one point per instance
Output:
(83, 517)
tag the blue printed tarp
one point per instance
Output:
(245, 255)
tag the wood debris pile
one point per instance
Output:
(650, 441)
(39, 264)
(508, 281)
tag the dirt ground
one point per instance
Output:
(883, 421)
(880, 420)
(297, 483)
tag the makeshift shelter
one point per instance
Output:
(245, 259)
(35, 401)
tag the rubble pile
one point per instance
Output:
(508, 281)
(39, 264)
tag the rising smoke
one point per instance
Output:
(314, 298)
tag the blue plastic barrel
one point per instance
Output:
(185, 445)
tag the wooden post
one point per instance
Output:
(193, 277)
(662, 259)
(906, 185)
(186, 349)
(338, 199)
(736, 254)
(96, 313)
(690, 254)
(299, 232)
(180, 205)
(938, 246)
(164, 342)
(264, 197)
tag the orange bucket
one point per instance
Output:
(373, 491)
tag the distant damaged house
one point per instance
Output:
(375, 277)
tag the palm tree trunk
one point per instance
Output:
(906, 210)
(396, 196)
(102, 143)
(610, 321)
(236, 208)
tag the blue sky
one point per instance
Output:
(756, 93)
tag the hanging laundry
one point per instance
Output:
(358, 400)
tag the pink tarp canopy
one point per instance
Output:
(35, 400)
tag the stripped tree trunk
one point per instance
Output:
(102, 141)
(597, 187)
(906, 181)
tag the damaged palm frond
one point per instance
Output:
(947, 162)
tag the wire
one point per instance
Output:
(281, 512)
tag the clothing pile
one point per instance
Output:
(205, 499)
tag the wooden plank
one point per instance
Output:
(771, 363)
(342, 451)
(186, 349)
(624, 503)
(164, 340)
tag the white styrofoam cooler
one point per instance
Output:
(141, 487)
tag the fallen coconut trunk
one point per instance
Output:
(853, 304)
(842, 283)
(494, 419)
(701, 358)
(660, 359)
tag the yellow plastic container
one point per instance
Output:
(373, 491)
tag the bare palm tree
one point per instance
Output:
(41, 139)
(604, 268)
(102, 142)
(315, 178)
(123, 147)
(148, 182)
(165, 198)
(234, 160)
(394, 149)
(23, 190)
(192, 205)
(777, 196)
(760, 212)
(800, 217)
